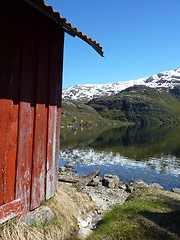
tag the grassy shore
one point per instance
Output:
(148, 213)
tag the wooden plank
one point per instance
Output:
(26, 112)
(53, 120)
(14, 32)
(3, 73)
(8, 143)
(81, 184)
(39, 157)
(4, 112)
(74, 179)
(9, 93)
(58, 128)
(40, 134)
(51, 152)
(11, 150)
(59, 102)
(10, 210)
(4, 102)
(1, 160)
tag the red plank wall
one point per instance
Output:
(31, 63)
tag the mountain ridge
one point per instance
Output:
(153, 100)
(86, 92)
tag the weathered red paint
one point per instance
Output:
(9, 164)
(54, 104)
(59, 107)
(4, 110)
(58, 128)
(26, 111)
(50, 184)
(30, 107)
(9, 92)
(40, 133)
(12, 119)
(10, 210)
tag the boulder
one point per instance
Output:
(83, 233)
(176, 190)
(110, 181)
(156, 185)
(69, 165)
(130, 188)
(98, 181)
(39, 216)
(105, 197)
(62, 169)
(122, 186)
(138, 184)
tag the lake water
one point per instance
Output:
(151, 154)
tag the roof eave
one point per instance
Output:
(67, 27)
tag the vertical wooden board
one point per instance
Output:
(40, 134)
(26, 111)
(4, 102)
(11, 148)
(24, 159)
(39, 156)
(1, 156)
(4, 112)
(57, 41)
(51, 152)
(14, 32)
(2, 82)
(9, 93)
(59, 62)
(58, 128)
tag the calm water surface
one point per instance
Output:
(151, 154)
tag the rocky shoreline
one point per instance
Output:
(105, 192)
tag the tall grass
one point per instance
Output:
(67, 205)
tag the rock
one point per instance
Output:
(99, 212)
(83, 233)
(156, 185)
(69, 165)
(105, 197)
(110, 181)
(129, 188)
(62, 169)
(87, 224)
(122, 186)
(138, 184)
(98, 181)
(176, 190)
(39, 216)
(96, 219)
(83, 223)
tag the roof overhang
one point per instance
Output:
(68, 28)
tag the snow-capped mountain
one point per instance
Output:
(167, 79)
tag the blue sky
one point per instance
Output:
(139, 38)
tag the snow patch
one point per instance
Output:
(167, 79)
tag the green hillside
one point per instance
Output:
(141, 105)
(79, 115)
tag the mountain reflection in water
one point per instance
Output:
(152, 154)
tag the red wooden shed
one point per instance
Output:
(31, 63)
